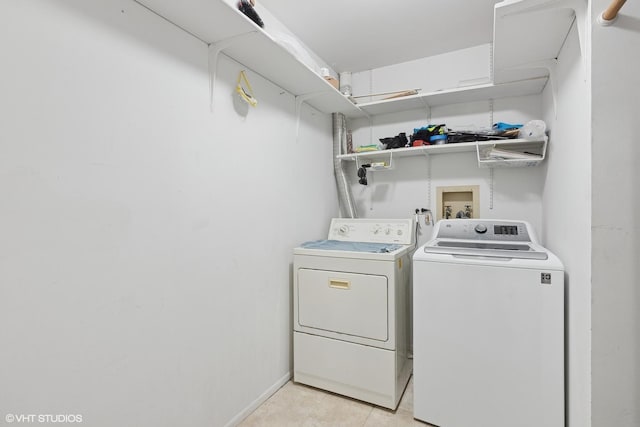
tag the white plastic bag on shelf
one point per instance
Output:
(533, 129)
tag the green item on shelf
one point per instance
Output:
(363, 148)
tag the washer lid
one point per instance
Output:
(493, 249)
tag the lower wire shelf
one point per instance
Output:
(494, 153)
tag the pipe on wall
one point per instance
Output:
(345, 198)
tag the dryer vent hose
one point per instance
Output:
(345, 198)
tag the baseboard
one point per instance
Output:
(259, 401)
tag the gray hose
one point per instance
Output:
(345, 198)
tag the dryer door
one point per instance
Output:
(346, 303)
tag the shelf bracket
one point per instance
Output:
(579, 8)
(429, 181)
(374, 168)
(581, 20)
(551, 65)
(491, 184)
(214, 52)
(491, 122)
(371, 119)
(300, 99)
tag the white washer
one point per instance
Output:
(351, 310)
(488, 307)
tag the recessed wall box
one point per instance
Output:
(458, 202)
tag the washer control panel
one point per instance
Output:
(477, 229)
(398, 231)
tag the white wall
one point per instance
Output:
(615, 230)
(413, 182)
(566, 215)
(145, 244)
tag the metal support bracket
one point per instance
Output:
(214, 52)
(579, 8)
(491, 122)
(428, 158)
(491, 185)
(551, 66)
(300, 99)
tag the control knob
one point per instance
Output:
(481, 228)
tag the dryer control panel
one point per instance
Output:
(399, 231)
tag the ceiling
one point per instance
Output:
(357, 35)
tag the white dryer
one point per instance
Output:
(488, 307)
(351, 310)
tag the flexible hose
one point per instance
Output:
(345, 198)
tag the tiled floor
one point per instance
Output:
(299, 405)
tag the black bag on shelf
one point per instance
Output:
(245, 7)
(398, 141)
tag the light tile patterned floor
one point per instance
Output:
(297, 405)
